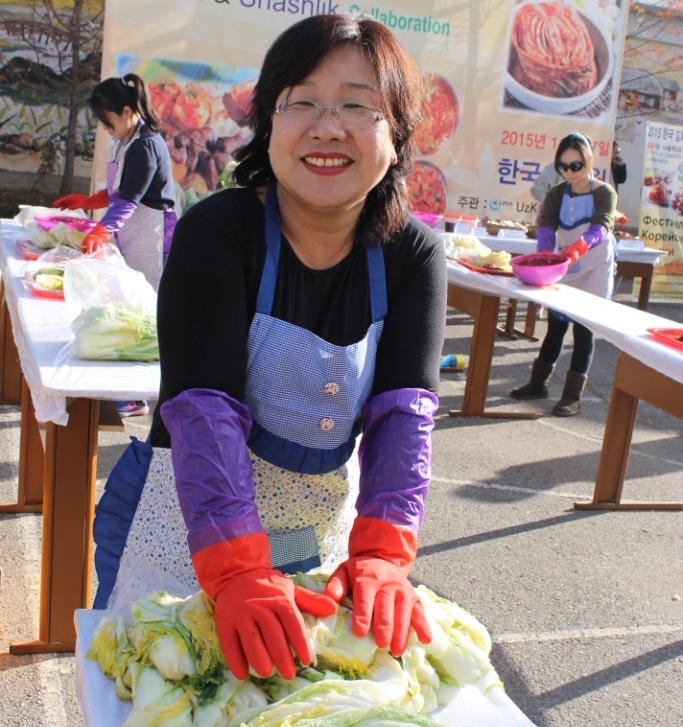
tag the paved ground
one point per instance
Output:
(584, 607)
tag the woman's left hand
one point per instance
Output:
(94, 240)
(382, 597)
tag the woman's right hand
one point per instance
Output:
(259, 622)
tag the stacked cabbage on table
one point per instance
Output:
(468, 247)
(168, 661)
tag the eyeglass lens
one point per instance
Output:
(301, 113)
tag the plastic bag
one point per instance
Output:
(26, 250)
(112, 309)
(49, 228)
(44, 277)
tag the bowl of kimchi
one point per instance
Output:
(562, 76)
(427, 189)
(539, 269)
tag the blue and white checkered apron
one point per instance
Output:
(305, 395)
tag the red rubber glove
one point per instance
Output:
(575, 251)
(94, 240)
(257, 608)
(258, 617)
(380, 556)
(97, 201)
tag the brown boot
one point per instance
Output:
(537, 388)
(570, 403)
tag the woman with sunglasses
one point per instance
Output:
(576, 220)
(298, 312)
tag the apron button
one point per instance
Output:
(326, 424)
(331, 388)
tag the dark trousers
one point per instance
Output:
(551, 348)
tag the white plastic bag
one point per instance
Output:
(112, 308)
(44, 276)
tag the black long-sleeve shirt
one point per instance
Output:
(207, 299)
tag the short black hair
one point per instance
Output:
(293, 56)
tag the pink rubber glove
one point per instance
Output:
(575, 251)
(97, 201)
(95, 239)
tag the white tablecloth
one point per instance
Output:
(621, 325)
(42, 328)
(102, 708)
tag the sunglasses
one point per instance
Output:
(574, 166)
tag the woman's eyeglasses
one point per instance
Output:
(350, 115)
(574, 166)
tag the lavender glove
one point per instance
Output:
(213, 471)
(395, 456)
(118, 214)
(594, 235)
(545, 239)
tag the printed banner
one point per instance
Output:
(498, 98)
(661, 208)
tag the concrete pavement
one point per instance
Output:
(584, 607)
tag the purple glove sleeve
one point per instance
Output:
(395, 456)
(118, 214)
(212, 465)
(594, 235)
(545, 239)
(170, 220)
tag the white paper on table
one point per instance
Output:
(102, 708)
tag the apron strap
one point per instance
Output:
(378, 283)
(266, 292)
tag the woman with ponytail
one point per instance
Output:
(140, 193)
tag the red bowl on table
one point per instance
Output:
(539, 269)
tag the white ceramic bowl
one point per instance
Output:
(604, 59)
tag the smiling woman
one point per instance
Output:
(312, 312)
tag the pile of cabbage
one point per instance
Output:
(169, 663)
(475, 252)
(111, 332)
(62, 234)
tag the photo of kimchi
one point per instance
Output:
(553, 52)
(427, 189)
(439, 114)
(658, 195)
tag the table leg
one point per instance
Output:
(508, 330)
(31, 460)
(644, 292)
(633, 381)
(644, 271)
(68, 511)
(10, 376)
(485, 314)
